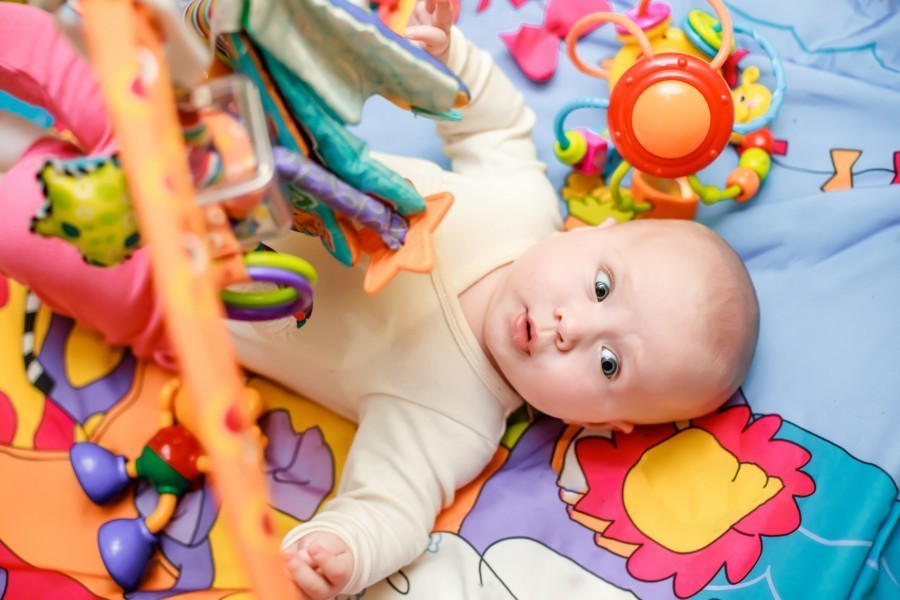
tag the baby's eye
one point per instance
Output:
(602, 285)
(609, 363)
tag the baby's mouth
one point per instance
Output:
(522, 333)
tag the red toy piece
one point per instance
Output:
(762, 138)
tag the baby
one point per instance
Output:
(607, 327)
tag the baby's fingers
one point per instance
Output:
(335, 567)
(432, 39)
(311, 582)
(420, 15)
(443, 14)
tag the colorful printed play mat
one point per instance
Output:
(788, 492)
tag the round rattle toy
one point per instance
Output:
(670, 113)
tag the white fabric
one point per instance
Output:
(405, 364)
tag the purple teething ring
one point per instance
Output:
(657, 12)
(303, 303)
(288, 278)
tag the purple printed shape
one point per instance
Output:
(185, 540)
(522, 500)
(193, 518)
(300, 466)
(196, 570)
(96, 397)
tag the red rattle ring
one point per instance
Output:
(670, 115)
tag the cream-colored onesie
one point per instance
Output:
(404, 364)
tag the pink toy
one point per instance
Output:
(647, 16)
(535, 48)
(117, 301)
(596, 150)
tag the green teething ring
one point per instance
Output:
(277, 297)
(287, 262)
(260, 299)
(705, 31)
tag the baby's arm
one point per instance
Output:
(495, 131)
(405, 464)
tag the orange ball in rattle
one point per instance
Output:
(670, 119)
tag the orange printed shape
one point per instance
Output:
(450, 520)
(47, 503)
(214, 595)
(843, 161)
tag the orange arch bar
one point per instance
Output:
(125, 50)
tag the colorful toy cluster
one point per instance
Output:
(296, 53)
(677, 98)
(333, 189)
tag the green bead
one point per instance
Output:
(160, 474)
(576, 150)
(758, 160)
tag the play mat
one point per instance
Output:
(789, 491)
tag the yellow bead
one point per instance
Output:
(576, 150)
(758, 160)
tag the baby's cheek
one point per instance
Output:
(553, 392)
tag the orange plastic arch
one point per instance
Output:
(591, 21)
(727, 35)
(123, 43)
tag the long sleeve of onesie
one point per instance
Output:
(407, 459)
(39, 66)
(405, 464)
(495, 131)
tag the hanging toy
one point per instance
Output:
(172, 461)
(670, 112)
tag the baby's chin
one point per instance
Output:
(548, 404)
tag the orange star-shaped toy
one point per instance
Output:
(417, 253)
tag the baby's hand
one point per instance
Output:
(321, 565)
(429, 25)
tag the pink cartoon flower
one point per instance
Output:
(684, 500)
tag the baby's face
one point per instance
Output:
(607, 326)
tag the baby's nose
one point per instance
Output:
(571, 328)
